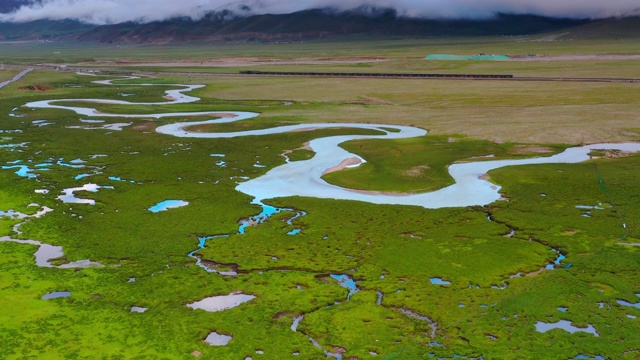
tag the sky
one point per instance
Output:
(116, 11)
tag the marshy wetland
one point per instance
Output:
(215, 200)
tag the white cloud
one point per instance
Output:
(115, 11)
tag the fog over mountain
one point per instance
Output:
(101, 12)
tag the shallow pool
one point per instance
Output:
(566, 326)
(56, 295)
(168, 204)
(215, 339)
(221, 302)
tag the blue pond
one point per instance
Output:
(168, 204)
(346, 282)
(23, 171)
(439, 281)
(56, 294)
(556, 261)
(626, 303)
(566, 326)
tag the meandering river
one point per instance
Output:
(304, 178)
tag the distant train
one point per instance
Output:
(394, 75)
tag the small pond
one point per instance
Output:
(564, 325)
(439, 281)
(221, 302)
(346, 282)
(215, 339)
(168, 204)
(56, 295)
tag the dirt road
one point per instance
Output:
(15, 78)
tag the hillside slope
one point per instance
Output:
(624, 28)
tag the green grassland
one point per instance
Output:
(380, 55)
(59, 52)
(392, 250)
(531, 112)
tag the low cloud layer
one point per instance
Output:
(116, 11)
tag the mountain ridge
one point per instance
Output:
(309, 24)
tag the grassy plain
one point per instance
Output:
(512, 111)
(391, 250)
(349, 47)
